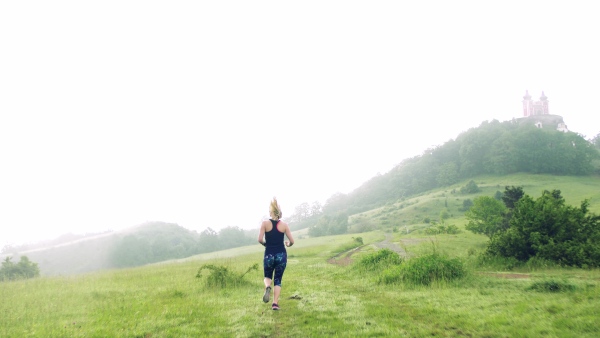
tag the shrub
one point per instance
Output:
(470, 188)
(379, 260)
(431, 268)
(221, 276)
(391, 275)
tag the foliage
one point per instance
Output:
(470, 188)
(498, 195)
(548, 228)
(379, 260)
(551, 285)
(306, 215)
(467, 203)
(153, 242)
(596, 141)
(221, 276)
(485, 216)
(444, 214)
(157, 241)
(358, 240)
(425, 270)
(24, 269)
(330, 225)
(440, 229)
(511, 196)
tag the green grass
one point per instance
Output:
(411, 212)
(323, 299)
(318, 299)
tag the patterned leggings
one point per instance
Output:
(277, 263)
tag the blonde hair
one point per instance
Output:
(275, 209)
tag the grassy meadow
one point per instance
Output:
(318, 299)
(322, 296)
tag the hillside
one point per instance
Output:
(494, 149)
(420, 211)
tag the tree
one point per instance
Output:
(550, 229)
(498, 195)
(444, 215)
(485, 216)
(470, 188)
(231, 237)
(467, 203)
(511, 196)
(208, 241)
(596, 141)
(447, 174)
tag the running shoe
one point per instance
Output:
(275, 306)
(267, 294)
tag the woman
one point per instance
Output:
(271, 236)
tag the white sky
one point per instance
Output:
(113, 113)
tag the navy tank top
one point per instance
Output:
(274, 240)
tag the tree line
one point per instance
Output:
(22, 270)
(157, 241)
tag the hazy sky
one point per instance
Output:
(113, 113)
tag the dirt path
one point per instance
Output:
(344, 258)
(388, 244)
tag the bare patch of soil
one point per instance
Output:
(344, 257)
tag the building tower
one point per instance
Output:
(544, 102)
(527, 104)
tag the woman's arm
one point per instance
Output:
(288, 233)
(261, 235)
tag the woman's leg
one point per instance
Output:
(269, 265)
(276, 293)
(280, 264)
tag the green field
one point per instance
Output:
(320, 296)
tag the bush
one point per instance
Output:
(379, 260)
(427, 269)
(424, 270)
(470, 188)
(391, 275)
(221, 276)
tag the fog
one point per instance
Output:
(117, 113)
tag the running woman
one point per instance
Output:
(271, 236)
